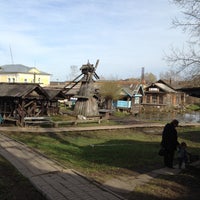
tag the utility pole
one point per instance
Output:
(11, 55)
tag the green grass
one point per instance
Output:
(121, 114)
(101, 154)
(107, 154)
(194, 107)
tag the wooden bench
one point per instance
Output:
(37, 120)
(9, 120)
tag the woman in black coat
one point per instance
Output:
(170, 142)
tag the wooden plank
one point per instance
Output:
(37, 122)
(37, 118)
(28, 104)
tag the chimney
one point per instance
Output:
(142, 76)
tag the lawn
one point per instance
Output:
(104, 154)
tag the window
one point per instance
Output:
(154, 99)
(137, 100)
(9, 80)
(148, 99)
(154, 89)
(161, 100)
(13, 80)
(25, 80)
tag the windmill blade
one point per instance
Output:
(96, 76)
(72, 86)
(72, 81)
(96, 64)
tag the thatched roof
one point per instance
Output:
(22, 90)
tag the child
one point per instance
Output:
(183, 155)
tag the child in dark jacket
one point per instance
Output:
(183, 155)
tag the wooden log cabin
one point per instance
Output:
(160, 95)
(20, 100)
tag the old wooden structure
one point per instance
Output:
(20, 100)
(86, 103)
(131, 98)
(54, 95)
(191, 91)
(160, 95)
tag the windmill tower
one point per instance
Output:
(86, 103)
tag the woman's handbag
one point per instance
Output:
(161, 152)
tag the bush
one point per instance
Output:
(193, 107)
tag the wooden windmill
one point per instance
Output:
(86, 103)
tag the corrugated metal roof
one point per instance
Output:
(18, 68)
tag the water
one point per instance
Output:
(193, 117)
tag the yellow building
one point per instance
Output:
(18, 73)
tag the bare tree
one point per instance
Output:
(188, 58)
(73, 72)
(171, 74)
(171, 77)
(150, 78)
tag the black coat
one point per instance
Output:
(169, 137)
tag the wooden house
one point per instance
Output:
(162, 95)
(20, 100)
(131, 98)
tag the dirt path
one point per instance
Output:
(101, 127)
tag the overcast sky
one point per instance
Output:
(52, 35)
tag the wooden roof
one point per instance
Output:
(162, 85)
(134, 90)
(22, 90)
(55, 93)
(191, 91)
